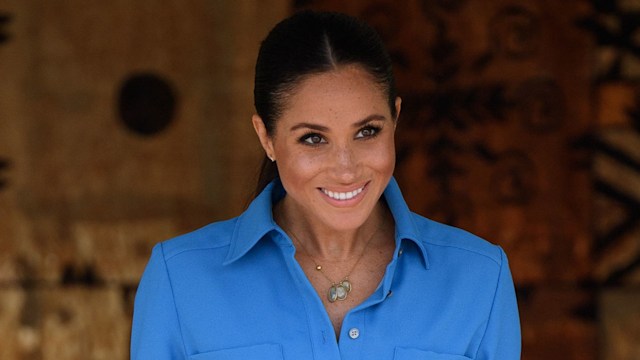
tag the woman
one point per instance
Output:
(327, 262)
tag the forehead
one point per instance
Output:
(346, 77)
(345, 90)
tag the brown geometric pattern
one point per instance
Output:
(616, 149)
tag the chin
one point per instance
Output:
(347, 219)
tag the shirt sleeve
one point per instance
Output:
(502, 339)
(156, 330)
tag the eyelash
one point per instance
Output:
(376, 130)
(305, 139)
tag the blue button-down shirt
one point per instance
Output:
(233, 290)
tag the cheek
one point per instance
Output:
(383, 158)
(297, 167)
(386, 162)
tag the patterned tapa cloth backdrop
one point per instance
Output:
(615, 145)
(514, 118)
(122, 124)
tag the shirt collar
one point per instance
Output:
(257, 221)
(406, 228)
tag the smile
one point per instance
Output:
(342, 195)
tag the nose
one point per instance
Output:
(345, 164)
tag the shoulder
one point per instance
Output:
(439, 237)
(212, 236)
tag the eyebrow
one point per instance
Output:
(323, 128)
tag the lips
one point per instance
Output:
(341, 196)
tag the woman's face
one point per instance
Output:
(334, 147)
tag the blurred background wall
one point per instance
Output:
(124, 123)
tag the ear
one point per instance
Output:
(398, 107)
(265, 139)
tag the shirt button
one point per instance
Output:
(354, 333)
(400, 252)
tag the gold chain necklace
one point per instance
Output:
(337, 290)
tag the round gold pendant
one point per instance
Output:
(346, 284)
(332, 295)
(341, 292)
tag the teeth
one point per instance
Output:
(344, 195)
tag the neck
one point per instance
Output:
(324, 242)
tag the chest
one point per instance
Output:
(363, 279)
(263, 300)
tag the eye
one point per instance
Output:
(312, 139)
(368, 131)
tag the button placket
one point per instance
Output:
(323, 343)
